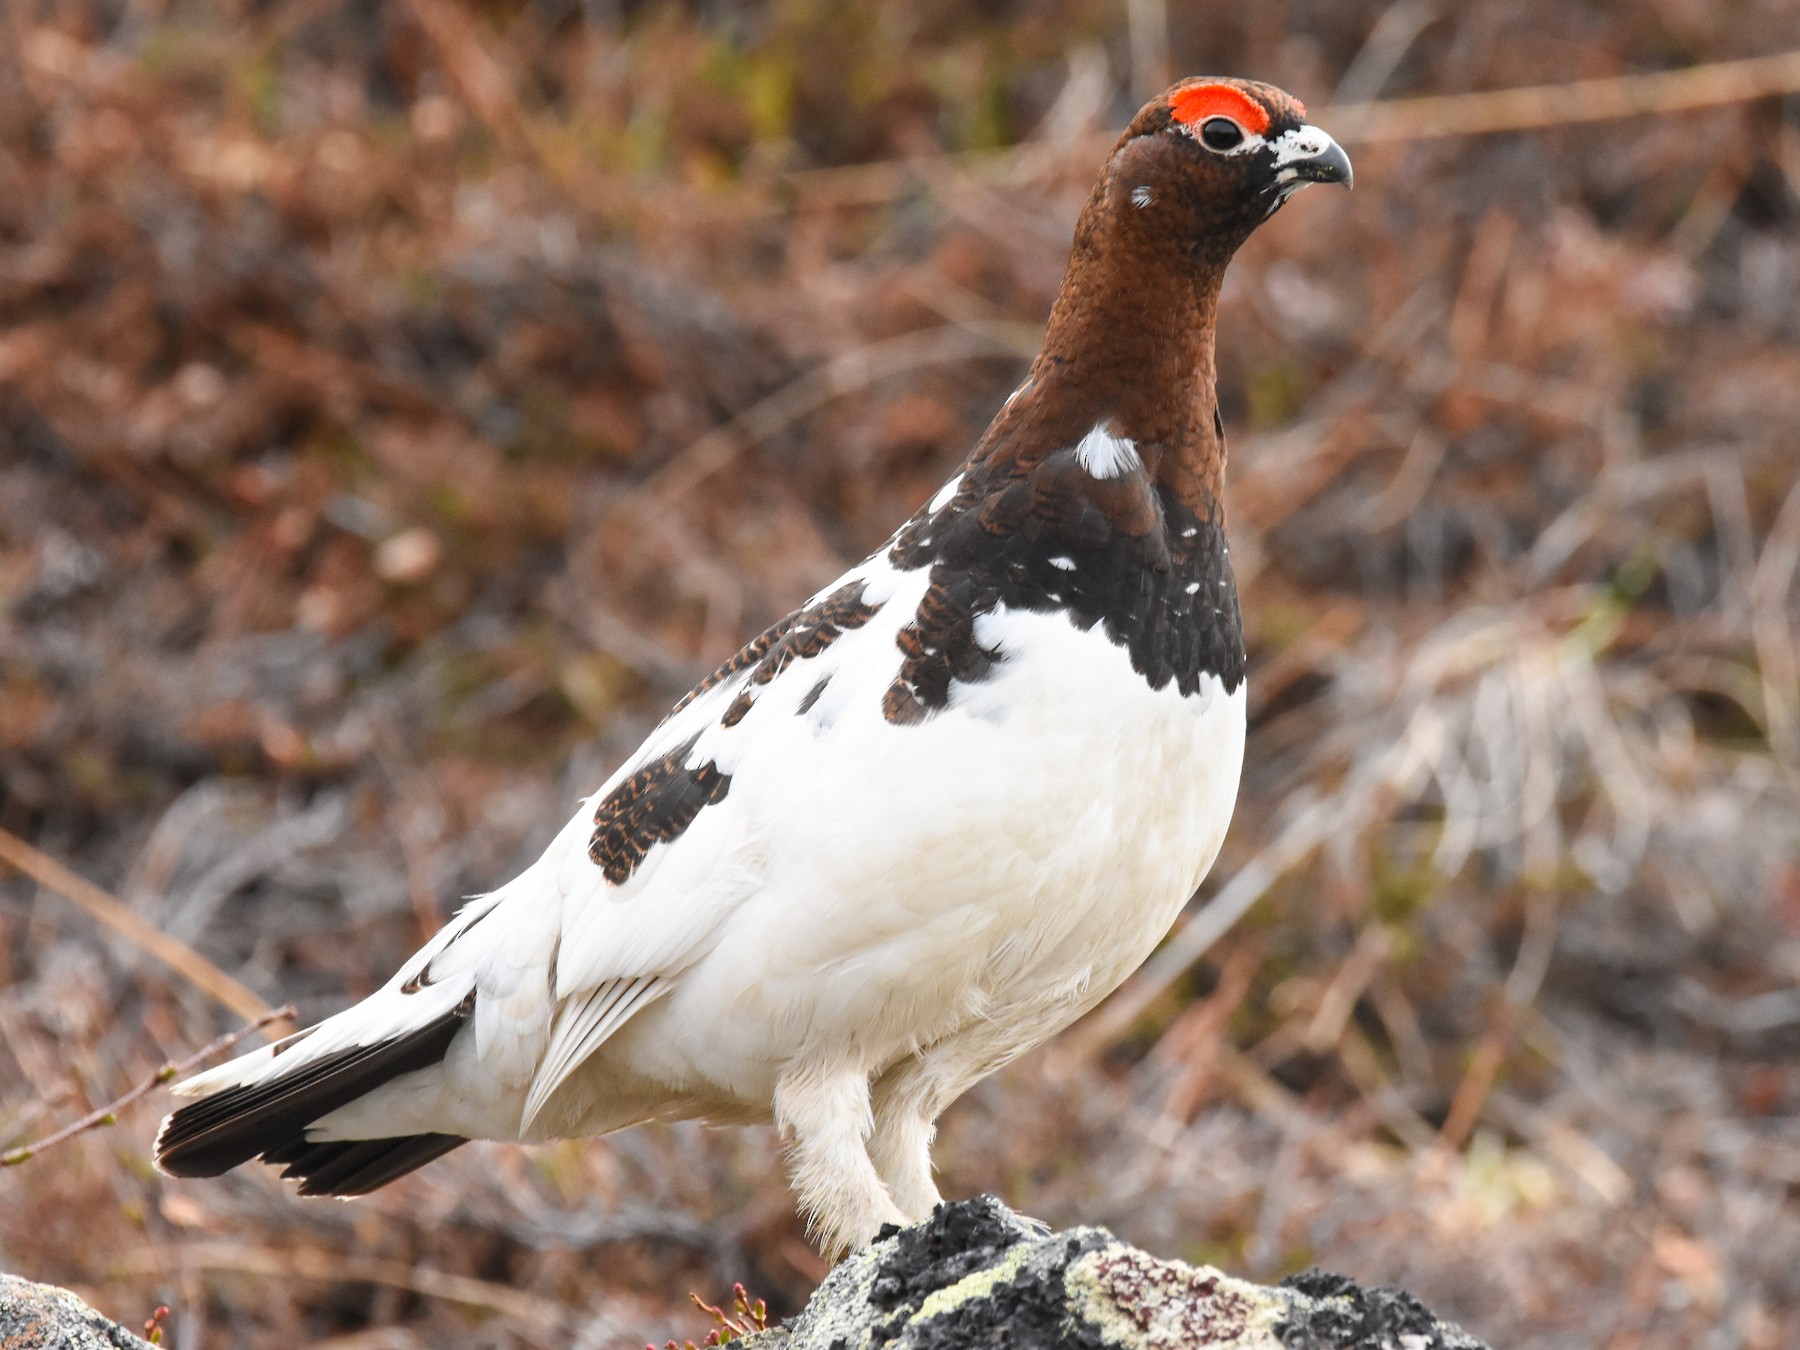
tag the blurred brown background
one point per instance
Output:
(400, 403)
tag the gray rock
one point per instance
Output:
(976, 1275)
(43, 1317)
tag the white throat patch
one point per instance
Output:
(1105, 455)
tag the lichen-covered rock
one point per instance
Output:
(43, 1317)
(976, 1275)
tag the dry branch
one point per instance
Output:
(109, 1114)
(301, 1263)
(145, 936)
(1433, 117)
(1534, 107)
(853, 370)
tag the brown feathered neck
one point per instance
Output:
(1130, 343)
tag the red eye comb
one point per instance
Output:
(1195, 105)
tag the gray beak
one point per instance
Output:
(1307, 155)
(1331, 165)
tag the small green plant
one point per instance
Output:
(746, 1315)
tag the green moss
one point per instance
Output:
(595, 685)
(259, 85)
(1608, 606)
(423, 287)
(1276, 393)
(769, 98)
(1278, 625)
(1399, 890)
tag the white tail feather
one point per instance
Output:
(582, 1026)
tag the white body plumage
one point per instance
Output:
(902, 908)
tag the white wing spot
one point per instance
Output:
(1066, 563)
(1107, 456)
(1141, 196)
(1190, 532)
(945, 493)
(1192, 586)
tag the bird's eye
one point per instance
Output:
(1221, 133)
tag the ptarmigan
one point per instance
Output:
(912, 830)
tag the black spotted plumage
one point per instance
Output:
(804, 634)
(812, 696)
(655, 805)
(661, 800)
(421, 979)
(1153, 576)
(741, 660)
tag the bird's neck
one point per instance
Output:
(1130, 346)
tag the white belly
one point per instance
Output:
(1013, 858)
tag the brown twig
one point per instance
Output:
(142, 934)
(1522, 985)
(478, 75)
(844, 374)
(1478, 1078)
(1433, 117)
(1534, 107)
(1778, 655)
(1193, 1041)
(109, 1114)
(301, 1263)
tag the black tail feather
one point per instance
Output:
(357, 1166)
(269, 1119)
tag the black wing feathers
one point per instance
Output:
(216, 1133)
(357, 1166)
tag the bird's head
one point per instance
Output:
(1212, 158)
(1131, 338)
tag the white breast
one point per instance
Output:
(1031, 841)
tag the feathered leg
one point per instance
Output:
(825, 1118)
(906, 1109)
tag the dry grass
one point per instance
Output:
(400, 404)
